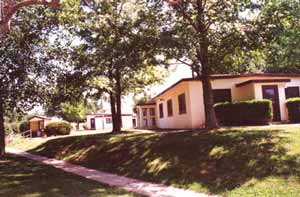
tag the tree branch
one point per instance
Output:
(27, 3)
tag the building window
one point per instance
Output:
(134, 122)
(161, 110)
(144, 112)
(181, 104)
(108, 120)
(170, 107)
(153, 122)
(152, 111)
(145, 122)
(222, 95)
(291, 92)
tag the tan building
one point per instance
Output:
(181, 105)
(37, 124)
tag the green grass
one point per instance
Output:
(23, 177)
(249, 161)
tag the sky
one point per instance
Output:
(180, 71)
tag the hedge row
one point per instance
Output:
(58, 128)
(252, 112)
(293, 105)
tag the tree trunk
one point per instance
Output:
(2, 131)
(119, 103)
(113, 113)
(4, 30)
(210, 115)
(77, 126)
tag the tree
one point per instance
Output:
(24, 70)
(8, 8)
(207, 33)
(282, 50)
(74, 112)
(118, 50)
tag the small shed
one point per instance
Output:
(38, 124)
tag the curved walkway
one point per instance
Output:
(129, 184)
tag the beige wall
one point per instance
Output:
(197, 104)
(177, 121)
(246, 92)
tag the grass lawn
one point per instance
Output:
(249, 161)
(23, 177)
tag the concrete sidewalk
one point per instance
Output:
(129, 184)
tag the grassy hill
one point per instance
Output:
(250, 161)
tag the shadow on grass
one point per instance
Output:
(24, 177)
(217, 161)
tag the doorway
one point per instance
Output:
(271, 92)
(93, 124)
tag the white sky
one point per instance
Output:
(180, 71)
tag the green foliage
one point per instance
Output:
(11, 127)
(73, 112)
(293, 105)
(8, 128)
(24, 126)
(282, 43)
(252, 112)
(15, 127)
(58, 128)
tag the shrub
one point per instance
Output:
(24, 126)
(58, 128)
(8, 129)
(15, 127)
(84, 126)
(252, 112)
(11, 127)
(293, 105)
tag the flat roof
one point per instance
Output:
(232, 76)
(263, 81)
(98, 115)
(40, 117)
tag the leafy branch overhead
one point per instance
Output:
(8, 8)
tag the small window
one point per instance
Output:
(291, 92)
(182, 104)
(161, 110)
(108, 120)
(222, 95)
(152, 112)
(144, 112)
(134, 122)
(170, 107)
(153, 122)
(145, 122)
